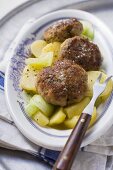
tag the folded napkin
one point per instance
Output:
(97, 156)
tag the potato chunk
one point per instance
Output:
(76, 109)
(94, 117)
(28, 79)
(37, 46)
(70, 123)
(41, 119)
(57, 118)
(92, 76)
(52, 47)
(44, 60)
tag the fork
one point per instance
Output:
(72, 145)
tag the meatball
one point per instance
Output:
(81, 51)
(62, 84)
(63, 29)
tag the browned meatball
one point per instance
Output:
(82, 52)
(62, 84)
(63, 29)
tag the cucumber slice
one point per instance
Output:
(41, 119)
(88, 30)
(57, 118)
(31, 109)
(77, 108)
(27, 96)
(42, 105)
(37, 46)
(45, 60)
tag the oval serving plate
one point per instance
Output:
(19, 51)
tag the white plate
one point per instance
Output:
(46, 137)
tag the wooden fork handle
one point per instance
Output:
(72, 146)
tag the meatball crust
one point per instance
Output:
(81, 51)
(63, 29)
(62, 84)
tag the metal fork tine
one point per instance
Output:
(98, 88)
(106, 81)
(99, 77)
